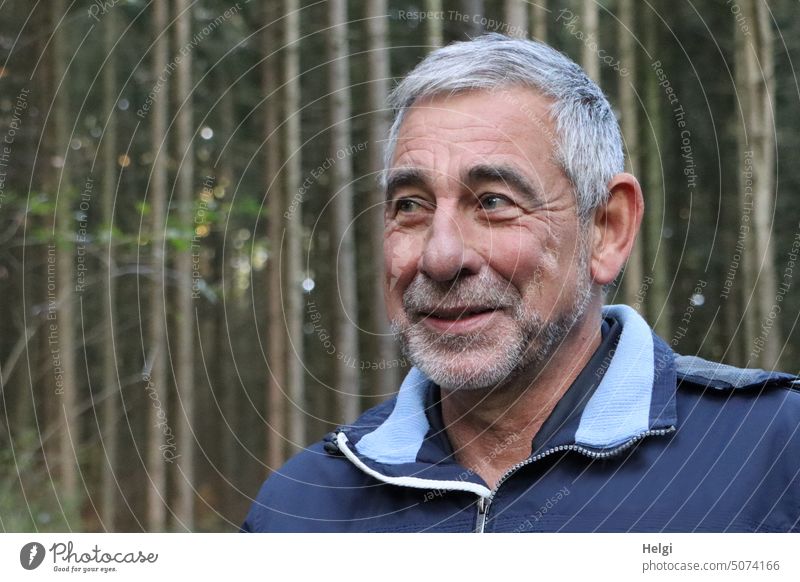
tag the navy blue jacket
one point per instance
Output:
(660, 442)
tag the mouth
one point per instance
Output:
(456, 320)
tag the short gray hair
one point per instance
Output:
(588, 142)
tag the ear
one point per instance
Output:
(615, 226)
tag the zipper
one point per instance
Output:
(485, 502)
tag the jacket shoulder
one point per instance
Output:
(708, 374)
(769, 399)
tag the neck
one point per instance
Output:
(492, 429)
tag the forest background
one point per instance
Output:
(190, 224)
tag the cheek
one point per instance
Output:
(401, 254)
(515, 255)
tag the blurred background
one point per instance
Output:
(190, 227)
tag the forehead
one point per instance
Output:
(511, 121)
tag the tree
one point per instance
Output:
(658, 306)
(111, 408)
(155, 375)
(379, 122)
(756, 136)
(276, 342)
(434, 26)
(539, 20)
(184, 369)
(516, 17)
(69, 436)
(344, 255)
(589, 60)
(228, 429)
(474, 11)
(630, 131)
(294, 271)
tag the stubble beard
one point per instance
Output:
(521, 340)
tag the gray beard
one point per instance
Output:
(443, 357)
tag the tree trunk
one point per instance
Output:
(276, 345)
(69, 436)
(434, 26)
(633, 278)
(473, 11)
(387, 380)
(294, 275)
(754, 76)
(226, 427)
(589, 59)
(539, 15)
(343, 247)
(657, 298)
(186, 257)
(516, 17)
(40, 405)
(155, 375)
(763, 77)
(746, 272)
(111, 404)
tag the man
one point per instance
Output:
(531, 407)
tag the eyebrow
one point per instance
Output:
(405, 178)
(505, 175)
(411, 177)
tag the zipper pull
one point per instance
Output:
(482, 507)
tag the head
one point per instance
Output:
(507, 212)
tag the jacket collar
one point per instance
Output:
(635, 396)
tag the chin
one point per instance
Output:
(461, 379)
(463, 362)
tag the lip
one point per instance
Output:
(453, 323)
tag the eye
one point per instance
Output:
(406, 206)
(494, 202)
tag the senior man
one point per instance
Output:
(531, 407)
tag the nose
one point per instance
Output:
(448, 252)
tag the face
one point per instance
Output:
(486, 261)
